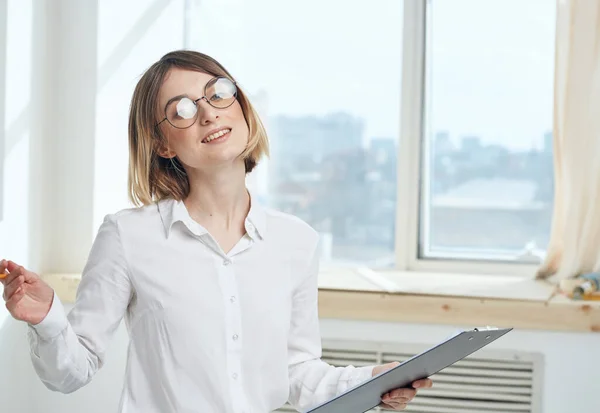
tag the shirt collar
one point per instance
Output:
(172, 211)
(256, 222)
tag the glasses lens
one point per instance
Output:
(221, 92)
(181, 113)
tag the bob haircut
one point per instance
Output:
(151, 177)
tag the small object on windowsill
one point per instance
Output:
(591, 297)
(531, 254)
(587, 297)
(584, 287)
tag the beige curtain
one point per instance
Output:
(575, 241)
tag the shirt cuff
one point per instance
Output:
(54, 322)
(361, 374)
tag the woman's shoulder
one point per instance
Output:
(288, 225)
(134, 216)
(137, 212)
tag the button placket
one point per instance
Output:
(233, 327)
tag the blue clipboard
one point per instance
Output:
(367, 395)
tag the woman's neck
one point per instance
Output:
(219, 199)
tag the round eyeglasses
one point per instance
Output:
(181, 111)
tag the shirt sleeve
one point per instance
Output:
(67, 350)
(313, 381)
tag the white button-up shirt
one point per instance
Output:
(209, 331)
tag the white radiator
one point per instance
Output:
(487, 382)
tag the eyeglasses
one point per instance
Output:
(181, 111)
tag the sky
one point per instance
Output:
(490, 70)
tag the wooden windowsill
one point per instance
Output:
(453, 299)
(429, 298)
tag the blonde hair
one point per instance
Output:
(152, 177)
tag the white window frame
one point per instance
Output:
(410, 161)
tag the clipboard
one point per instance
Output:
(367, 395)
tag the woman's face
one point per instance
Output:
(217, 137)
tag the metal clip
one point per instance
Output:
(486, 328)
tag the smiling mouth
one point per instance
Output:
(216, 136)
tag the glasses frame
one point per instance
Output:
(215, 79)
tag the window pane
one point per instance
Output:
(488, 143)
(325, 77)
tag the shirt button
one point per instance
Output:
(235, 376)
(226, 262)
(232, 299)
(235, 337)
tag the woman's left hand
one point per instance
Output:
(397, 399)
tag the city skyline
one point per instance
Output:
(544, 137)
(322, 172)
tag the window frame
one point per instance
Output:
(412, 144)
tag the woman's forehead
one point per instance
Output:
(181, 82)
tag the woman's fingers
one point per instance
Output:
(11, 288)
(3, 273)
(13, 302)
(10, 270)
(393, 405)
(14, 271)
(406, 394)
(423, 384)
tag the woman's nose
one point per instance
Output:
(206, 113)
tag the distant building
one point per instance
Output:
(548, 142)
(383, 150)
(442, 144)
(470, 143)
(493, 214)
(313, 136)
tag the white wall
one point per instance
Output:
(131, 36)
(16, 137)
(17, 141)
(47, 108)
(29, 395)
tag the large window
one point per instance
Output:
(406, 132)
(488, 186)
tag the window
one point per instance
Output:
(411, 134)
(326, 78)
(487, 158)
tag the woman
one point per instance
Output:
(218, 293)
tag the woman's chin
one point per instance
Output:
(220, 161)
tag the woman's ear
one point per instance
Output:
(166, 153)
(163, 150)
